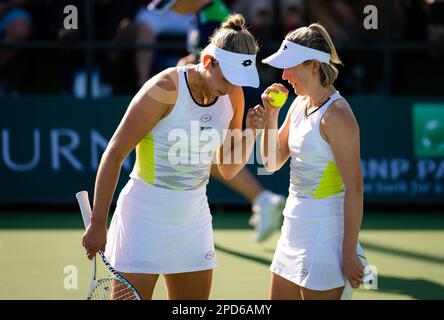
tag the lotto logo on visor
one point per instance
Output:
(238, 68)
(291, 54)
(161, 6)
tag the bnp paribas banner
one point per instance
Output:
(50, 148)
(402, 147)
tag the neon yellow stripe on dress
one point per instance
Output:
(331, 182)
(145, 159)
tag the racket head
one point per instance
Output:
(113, 287)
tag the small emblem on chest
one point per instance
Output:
(206, 118)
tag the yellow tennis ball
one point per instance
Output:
(278, 97)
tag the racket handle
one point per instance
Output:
(85, 207)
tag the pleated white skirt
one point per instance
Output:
(161, 231)
(309, 251)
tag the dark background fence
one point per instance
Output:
(51, 147)
(52, 136)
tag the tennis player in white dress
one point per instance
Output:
(318, 253)
(178, 125)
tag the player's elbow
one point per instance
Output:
(272, 165)
(269, 168)
(227, 175)
(227, 172)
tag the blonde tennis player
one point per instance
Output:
(177, 123)
(318, 248)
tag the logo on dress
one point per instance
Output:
(285, 47)
(247, 63)
(303, 273)
(206, 118)
(209, 255)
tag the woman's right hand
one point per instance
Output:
(266, 99)
(94, 239)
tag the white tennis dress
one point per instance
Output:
(309, 251)
(162, 222)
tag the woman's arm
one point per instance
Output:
(274, 144)
(145, 110)
(238, 146)
(340, 128)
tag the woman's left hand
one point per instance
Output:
(353, 269)
(256, 118)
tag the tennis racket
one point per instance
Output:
(113, 286)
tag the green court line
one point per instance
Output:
(236, 221)
(415, 288)
(366, 245)
(39, 220)
(249, 257)
(403, 221)
(409, 263)
(403, 253)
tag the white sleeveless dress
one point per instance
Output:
(162, 222)
(309, 251)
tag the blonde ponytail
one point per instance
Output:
(315, 36)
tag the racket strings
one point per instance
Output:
(112, 289)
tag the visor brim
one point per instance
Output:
(248, 77)
(283, 60)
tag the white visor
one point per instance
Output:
(291, 54)
(239, 69)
